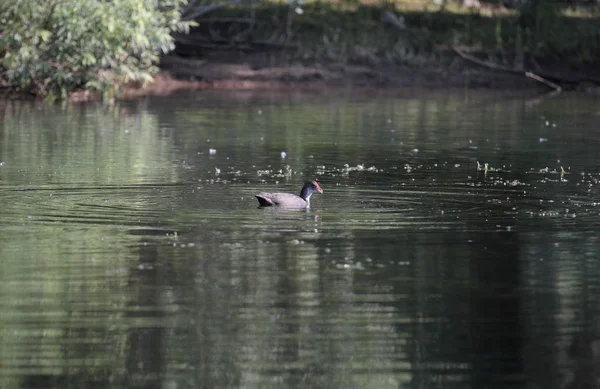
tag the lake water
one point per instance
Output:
(133, 256)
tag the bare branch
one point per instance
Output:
(539, 75)
(494, 66)
(486, 64)
(195, 12)
(543, 81)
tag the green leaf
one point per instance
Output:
(146, 77)
(88, 59)
(85, 43)
(45, 35)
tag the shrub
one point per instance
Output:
(54, 47)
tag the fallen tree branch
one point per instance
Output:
(233, 20)
(543, 81)
(491, 65)
(211, 42)
(540, 76)
(486, 64)
(194, 12)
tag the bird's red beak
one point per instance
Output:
(318, 187)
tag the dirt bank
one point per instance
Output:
(255, 72)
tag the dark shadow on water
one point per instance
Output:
(145, 359)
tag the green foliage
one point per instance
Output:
(54, 47)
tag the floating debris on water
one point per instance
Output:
(212, 151)
(485, 167)
(562, 173)
(358, 168)
(350, 266)
(283, 155)
(547, 170)
(287, 171)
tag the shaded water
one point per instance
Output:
(133, 257)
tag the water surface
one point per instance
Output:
(134, 254)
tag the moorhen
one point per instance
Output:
(288, 200)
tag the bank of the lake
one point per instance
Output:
(179, 74)
(293, 45)
(398, 45)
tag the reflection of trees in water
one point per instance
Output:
(61, 325)
(331, 132)
(145, 352)
(460, 311)
(265, 312)
(296, 319)
(268, 314)
(562, 312)
(267, 308)
(85, 145)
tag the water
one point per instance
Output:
(133, 256)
